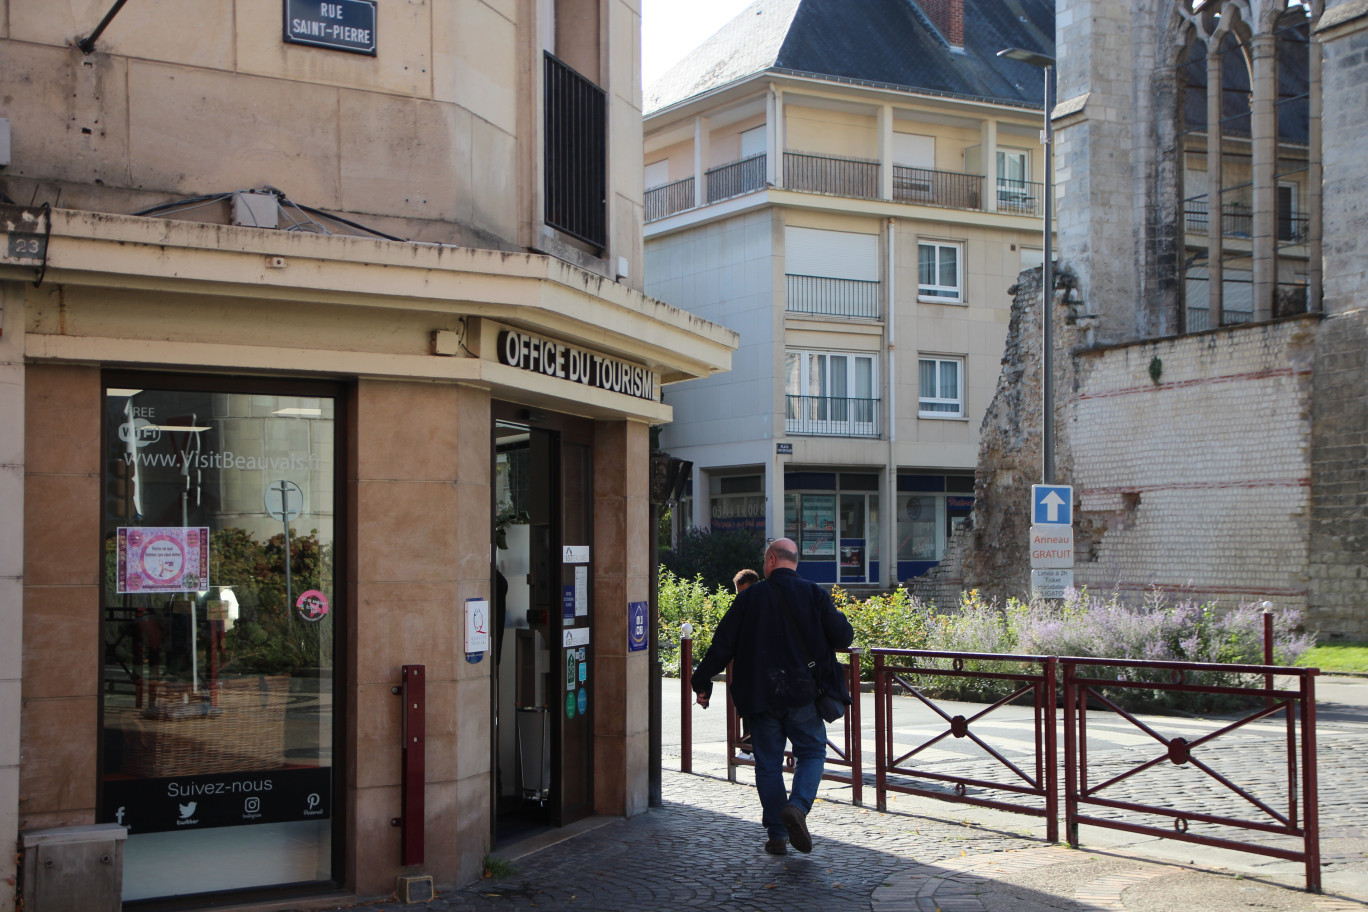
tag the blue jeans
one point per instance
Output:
(807, 732)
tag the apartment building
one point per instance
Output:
(326, 375)
(852, 187)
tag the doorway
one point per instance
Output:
(543, 685)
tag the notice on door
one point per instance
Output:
(581, 591)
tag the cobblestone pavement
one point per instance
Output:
(703, 848)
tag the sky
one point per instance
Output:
(672, 28)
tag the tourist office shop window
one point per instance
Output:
(736, 503)
(929, 509)
(834, 519)
(219, 622)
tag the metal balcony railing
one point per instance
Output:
(576, 154)
(833, 297)
(937, 188)
(851, 177)
(829, 416)
(1199, 318)
(1237, 221)
(736, 178)
(1020, 197)
(669, 199)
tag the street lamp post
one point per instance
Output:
(1047, 318)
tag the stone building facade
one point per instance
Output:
(1211, 356)
(325, 370)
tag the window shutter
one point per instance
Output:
(912, 150)
(658, 173)
(831, 254)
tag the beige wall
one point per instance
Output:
(621, 575)
(419, 549)
(436, 138)
(820, 131)
(62, 639)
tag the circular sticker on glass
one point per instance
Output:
(312, 605)
(583, 701)
(163, 559)
(570, 705)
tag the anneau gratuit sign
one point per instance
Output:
(342, 25)
(556, 359)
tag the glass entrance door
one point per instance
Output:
(544, 683)
(219, 629)
(859, 538)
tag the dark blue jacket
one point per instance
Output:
(770, 672)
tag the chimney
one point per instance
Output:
(948, 18)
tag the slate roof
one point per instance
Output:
(887, 42)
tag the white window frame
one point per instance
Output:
(924, 400)
(825, 385)
(939, 292)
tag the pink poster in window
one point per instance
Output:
(162, 559)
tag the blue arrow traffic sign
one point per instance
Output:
(1052, 505)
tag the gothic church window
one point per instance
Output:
(1248, 161)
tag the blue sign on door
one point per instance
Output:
(637, 620)
(1052, 505)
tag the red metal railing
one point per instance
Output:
(1039, 685)
(843, 749)
(843, 752)
(1299, 820)
(897, 671)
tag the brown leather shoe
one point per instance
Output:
(796, 821)
(776, 847)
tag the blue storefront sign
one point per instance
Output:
(340, 25)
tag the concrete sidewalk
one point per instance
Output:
(702, 850)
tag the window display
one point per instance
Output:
(218, 637)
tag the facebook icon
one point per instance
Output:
(1052, 505)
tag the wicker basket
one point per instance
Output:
(183, 734)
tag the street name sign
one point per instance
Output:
(1052, 505)
(1052, 547)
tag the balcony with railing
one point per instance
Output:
(830, 416)
(925, 187)
(1020, 197)
(849, 177)
(807, 294)
(736, 178)
(854, 178)
(1199, 318)
(1237, 221)
(669, 199)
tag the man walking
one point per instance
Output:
(781, 635)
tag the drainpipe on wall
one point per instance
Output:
(889, 532)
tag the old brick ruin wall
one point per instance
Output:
(1189, 455)
(1338, 523)
(1191, 464)
(989, 553)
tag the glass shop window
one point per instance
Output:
(219, 626)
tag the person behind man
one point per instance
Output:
(743, 580)
(769, 633)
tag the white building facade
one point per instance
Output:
(858, 220)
